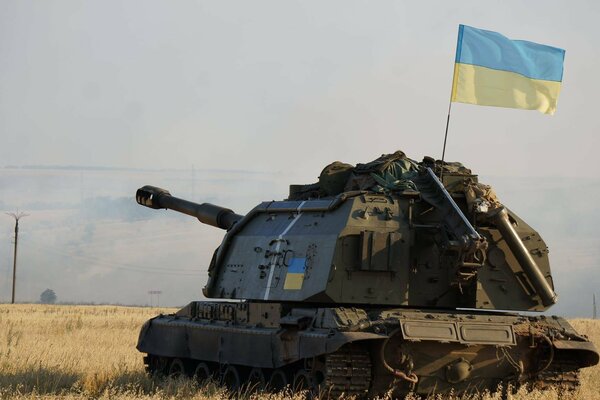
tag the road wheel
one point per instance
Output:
(202, 373)
(176, 368)
(155, 365)
(231, 378)
(256, 379)
(304, 382)
(278, 381)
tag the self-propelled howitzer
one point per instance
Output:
(358, 284)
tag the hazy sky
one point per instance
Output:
(281, 85)
(279, 88)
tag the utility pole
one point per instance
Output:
(594, 297)
(157, 293)
(17, 216)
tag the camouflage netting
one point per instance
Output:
(395, 173)
(388, 173)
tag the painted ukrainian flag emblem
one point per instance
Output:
(295, 274)
(492, 70)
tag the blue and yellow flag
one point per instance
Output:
(295, 274)
(492, 70)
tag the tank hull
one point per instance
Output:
(364, 351)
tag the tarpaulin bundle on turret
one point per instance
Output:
(389, 172)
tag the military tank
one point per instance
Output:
(381, 278)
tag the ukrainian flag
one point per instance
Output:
(492, 70)
(295, 274)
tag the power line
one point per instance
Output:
(163, 234)
(121, 265)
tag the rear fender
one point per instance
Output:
(584, 353)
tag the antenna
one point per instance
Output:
(193, 183)
(17, 216)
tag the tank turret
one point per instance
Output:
(382, 276)
(410, 247)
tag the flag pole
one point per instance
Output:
(448, 120)
(446, 134)
(452, 92)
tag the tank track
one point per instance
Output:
(348, 373)
(345, 372)
(562, 374)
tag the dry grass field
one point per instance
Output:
(81, 352)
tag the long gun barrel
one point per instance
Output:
(210, 214)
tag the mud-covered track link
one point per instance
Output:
(562, 375)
